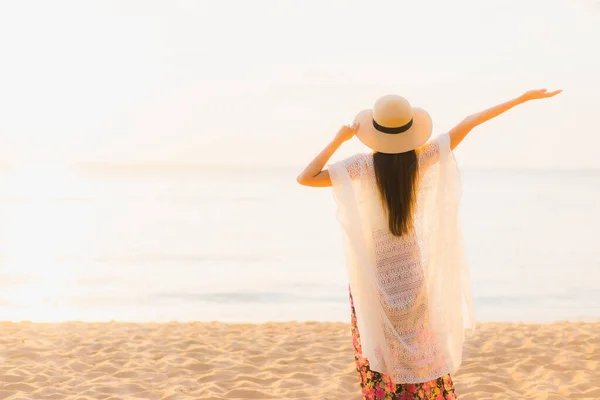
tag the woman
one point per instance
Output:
(409, 283)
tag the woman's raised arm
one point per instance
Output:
(314, 175)
(458, 133)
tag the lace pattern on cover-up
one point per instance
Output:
(406, 304)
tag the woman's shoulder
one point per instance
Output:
(358, 163)
(431, 143)
(358, 157)
(429, 151)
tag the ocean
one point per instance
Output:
(248, 244)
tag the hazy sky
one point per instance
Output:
(269, 82)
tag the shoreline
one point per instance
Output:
(586, 321)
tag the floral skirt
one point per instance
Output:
(377, 386)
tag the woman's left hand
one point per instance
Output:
(347, 132)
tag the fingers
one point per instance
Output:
(544, 93)
(552, 94)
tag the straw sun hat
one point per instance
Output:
(393, 126)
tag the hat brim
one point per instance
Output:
(418, 134)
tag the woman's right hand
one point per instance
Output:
(346, 132)
(539, 94)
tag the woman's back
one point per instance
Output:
(399, 265)
(398, 258)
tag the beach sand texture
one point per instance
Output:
(275, 361)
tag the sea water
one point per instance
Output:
(246, 244)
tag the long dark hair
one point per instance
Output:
(396, 176)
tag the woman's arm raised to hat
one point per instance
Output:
(458, 133)
(314, 175)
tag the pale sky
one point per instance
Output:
(269, 82)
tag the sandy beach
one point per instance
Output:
(275, 361)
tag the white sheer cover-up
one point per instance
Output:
(411, 294)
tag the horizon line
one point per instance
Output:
(191, 166)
